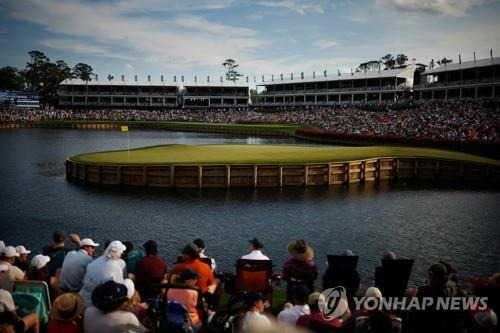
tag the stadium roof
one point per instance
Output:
(117, 83)
(399, 72)
(463, 65)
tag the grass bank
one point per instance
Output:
(265, 154)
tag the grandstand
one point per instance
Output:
(466, 80)
(118, 94)
(351, 88)
(221, 94)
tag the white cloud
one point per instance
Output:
(183, 42)
(80, 47)
(129, 67)
(170, 5)
(254, 17)
(455, 8)
(325, 44)
(297, 6)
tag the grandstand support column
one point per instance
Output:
(475, 93)
(432, 94)
(352, 98)
(492, 91)
(380, 97)
(460, 94)
(366, 98)
(446, 94)
(315, 99)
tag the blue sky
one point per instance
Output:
(184, 37)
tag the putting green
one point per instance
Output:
(265, 154)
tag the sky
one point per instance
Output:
(265, 37)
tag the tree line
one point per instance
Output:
(43, 76)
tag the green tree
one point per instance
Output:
(388, 61)
(11, 78)
(83, 72)
(401, 60)
(34, 69)
(63, 69)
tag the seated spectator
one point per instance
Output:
(436, 287)
(484, 321)
(57, 250)
(201, 245)
(255, 248)
(131, 257)
(254, 320)
(379, 270)
(107, 316)
(66, 314)
(290, 315)
(317, 315)
(75, 265)
(133, 303)
(150, 270)
(39, 270)
(22, 260)
(5, 282)
(10, 319)
(106, 267)
(187, 297)
(363, 318)
(7, 257)
(190, 260)
(377, 322)
(300, 268)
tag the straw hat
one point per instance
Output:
(67, 307)
(300, 250)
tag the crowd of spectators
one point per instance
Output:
(108, 293)
(458, 120)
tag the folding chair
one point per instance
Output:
(254, 276)
(32, 297)
(342, 272)
(395, 276)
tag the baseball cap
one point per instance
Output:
(22, 250)
(9, 252)
(39, 261)
(188, 274)
(130, 287)
(150, 245)
(2, 244)
(200, 243)
(88, 242)
(191, 250)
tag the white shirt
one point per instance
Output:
(255, 322)
(15, 273)
(96, 321)
(255, 255)
(213, 265)
(290, 316)
(73, 270)
(99, 271)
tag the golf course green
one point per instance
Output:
(264, 154)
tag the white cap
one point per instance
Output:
(6, 301)
(88, 242)
(39, 261)
(2, 244)
(22, 250)
(373, 292)
(115, 249)
(9, 252)
(130, 287)
(4, 268)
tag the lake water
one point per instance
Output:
(425, 222)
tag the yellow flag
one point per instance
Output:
(124, 128)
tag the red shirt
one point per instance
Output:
(149, 270)
(57, 326)
(315, 315)
(204, 271)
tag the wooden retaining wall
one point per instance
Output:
(261, 175)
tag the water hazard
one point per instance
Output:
(426, 222)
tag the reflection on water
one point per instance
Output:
(427, 222)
